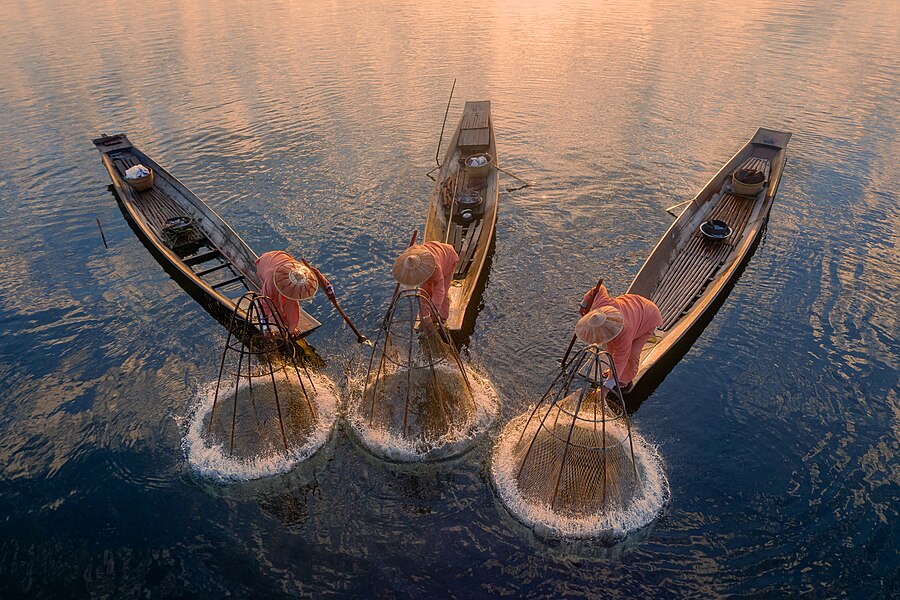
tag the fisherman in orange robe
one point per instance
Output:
(430, 266)
(640, 318)
(285, 281)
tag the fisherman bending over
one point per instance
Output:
(623, 324)
(286, 281)
(430, 266)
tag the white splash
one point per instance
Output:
(211, 459)
(387, 446)
(611, 525)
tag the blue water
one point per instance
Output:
(309, 126)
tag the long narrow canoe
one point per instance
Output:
(208, 259)
(688, 275)
(472, 198)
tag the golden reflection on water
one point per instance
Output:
(309, 125)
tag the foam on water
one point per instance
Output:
(612, 525)
(390, 447)
(211, 459)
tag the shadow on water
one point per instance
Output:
(305, 350)
(655, 376)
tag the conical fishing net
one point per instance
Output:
(575, 453)
(265, 400)
(416, 394)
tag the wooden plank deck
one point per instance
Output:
(475, 126)
(700, 260)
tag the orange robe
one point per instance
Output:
(438, 284)
(265, 269)
(641, 318)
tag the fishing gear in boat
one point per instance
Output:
(274, 401)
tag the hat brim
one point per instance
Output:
(592, 334)
(417, 275)
(281, 279)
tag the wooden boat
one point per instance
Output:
(201, 252)
(464, 201)
(688, 274)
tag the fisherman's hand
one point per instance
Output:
(584, 309)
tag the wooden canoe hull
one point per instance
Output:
(145, 211)
(474, 135)
(689, 276)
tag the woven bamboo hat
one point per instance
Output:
(295, 281)
(600, 325)
(414, 266)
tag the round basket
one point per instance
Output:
(141, 184)
(478, 171)
(743, 188)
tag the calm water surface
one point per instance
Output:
(309, 126)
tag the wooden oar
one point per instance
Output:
(674, 206)
(397, 287)
(502, 170)
(572, 343)
(329, 291)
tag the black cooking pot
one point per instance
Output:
(468, 200)
(716, 230)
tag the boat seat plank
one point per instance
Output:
(472, 138)
(468, 251)
(205, 272)
(457, 237)
(202, 258)
(227, 281)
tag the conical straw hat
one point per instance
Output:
(295, 281)
(599, 326)
(414, 266)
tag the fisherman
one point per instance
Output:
(286, 281)
(623, 324)
(430, 266)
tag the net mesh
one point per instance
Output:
(416, 388)
(265, 399)
(575, 453)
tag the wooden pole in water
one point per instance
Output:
(412, 241)
(502, 170)
(103, 237)
(437, 152)
(329, 291)
(572, 343)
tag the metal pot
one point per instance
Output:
(716, 230)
